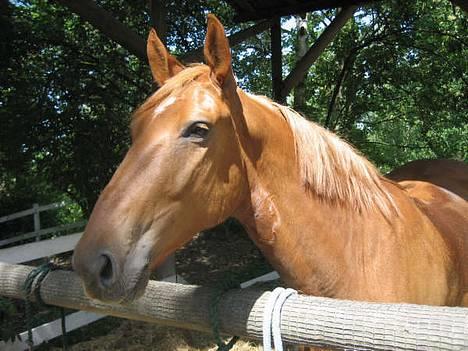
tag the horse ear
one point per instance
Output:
(217, 52)
(163, 65)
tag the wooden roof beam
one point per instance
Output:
(243, 5)
(327, 36)
(463, 4)
(105, 22)
(196, 55)
(292, 9)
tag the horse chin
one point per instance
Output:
(136, 290)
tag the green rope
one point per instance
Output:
(221, 289)
(232, 281)
(32, 286)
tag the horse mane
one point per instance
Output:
(333, 169)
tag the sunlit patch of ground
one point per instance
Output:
(133, 336)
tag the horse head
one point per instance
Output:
(183, 173)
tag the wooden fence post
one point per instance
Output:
(37, 220)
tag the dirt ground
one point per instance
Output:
(208, 259)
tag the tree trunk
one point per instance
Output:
(298, 72)
(301, 49)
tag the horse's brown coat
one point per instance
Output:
(192, 164)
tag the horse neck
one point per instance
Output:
(300, 234)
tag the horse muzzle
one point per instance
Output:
(109, 279)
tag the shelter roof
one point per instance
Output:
(263, 9)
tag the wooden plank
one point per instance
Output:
(16, 215)
(263, 278)
(327, 36)
(40, 249)
(305, 320)
(42, 232)
(52, 206)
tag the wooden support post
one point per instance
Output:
(276, 60)
(37, 220)
(297, 74)
(158, 12)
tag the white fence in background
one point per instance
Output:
(38, 232)
(37, 250)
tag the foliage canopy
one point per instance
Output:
(393, 83)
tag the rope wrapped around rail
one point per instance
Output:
(305, 320)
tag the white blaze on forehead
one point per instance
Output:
(207, 102)
(164, 105)
(204, 100)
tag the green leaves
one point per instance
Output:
(394, 83)
(404, 86)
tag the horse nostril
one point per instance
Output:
(106, 274)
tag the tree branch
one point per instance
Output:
(327, 36)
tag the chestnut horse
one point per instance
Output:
(448, 174)
(203, 150)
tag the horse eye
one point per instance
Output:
(197, 130)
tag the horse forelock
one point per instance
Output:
(172, 88)
(331, 168)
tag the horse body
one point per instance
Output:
(203, 150)
(327, 248)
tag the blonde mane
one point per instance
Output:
(332, 169)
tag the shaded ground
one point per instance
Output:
(207, 260)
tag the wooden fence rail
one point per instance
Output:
(38, 232)
(35, 209)
(306, 320)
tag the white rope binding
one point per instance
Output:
(272, 317)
